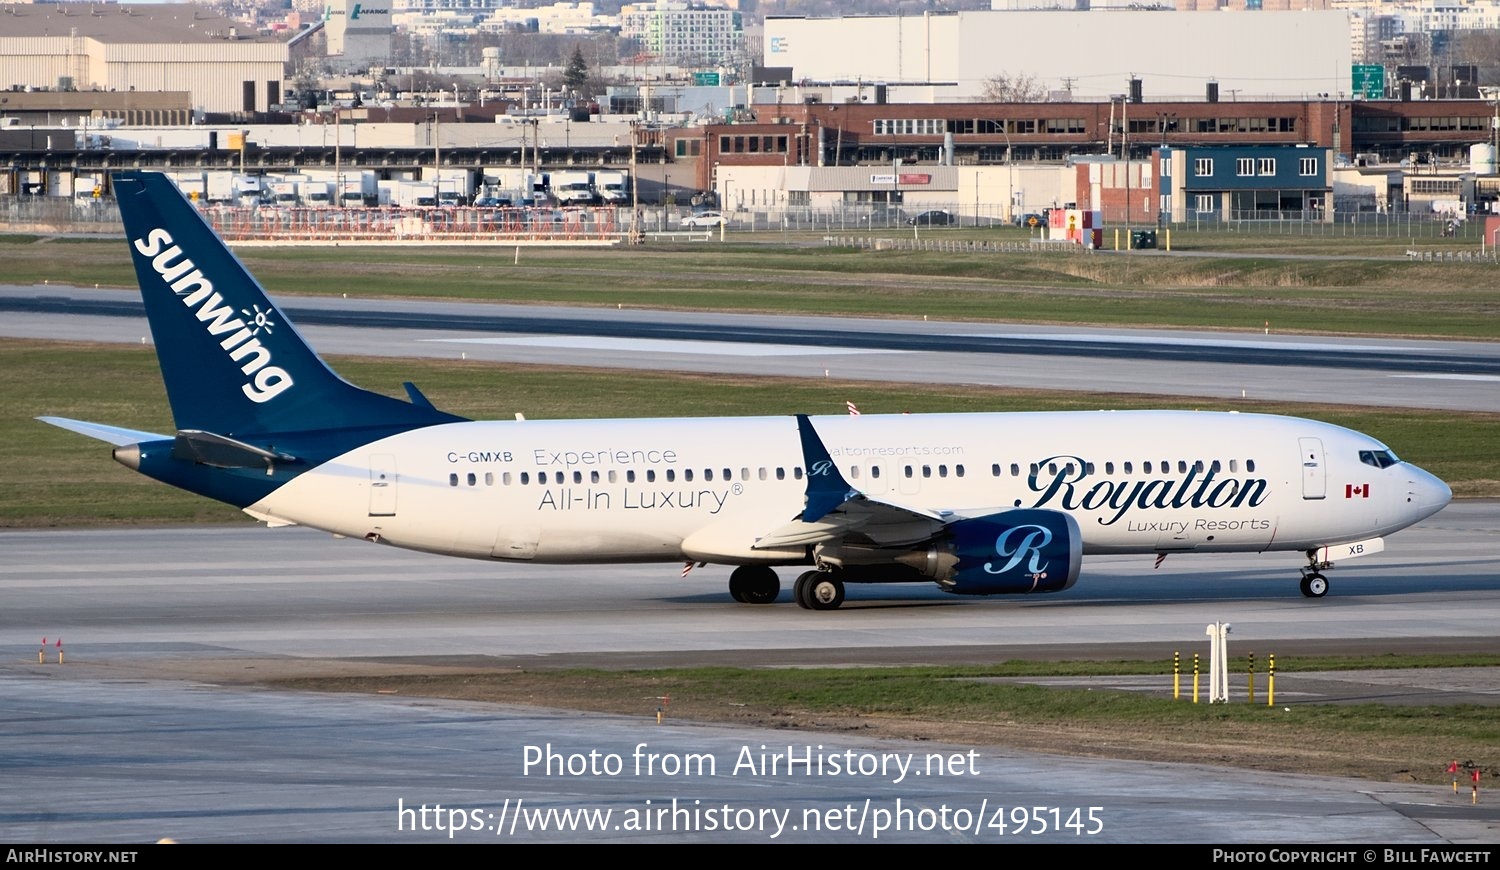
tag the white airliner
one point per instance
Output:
(976, 503)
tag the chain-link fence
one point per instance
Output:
(1350, 224)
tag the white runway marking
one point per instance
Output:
(1442, 377)
(646, 345)
(1271, 342)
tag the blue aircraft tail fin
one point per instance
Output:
(232, 362)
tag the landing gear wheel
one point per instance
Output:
(754, 584)
(799, 589)
(1314, 585)
(819, 590)
(826, 592)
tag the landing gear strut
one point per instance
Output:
(819, 590)
(1314, 584)
(754, 584)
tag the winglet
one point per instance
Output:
(416, 396)
(826, 486)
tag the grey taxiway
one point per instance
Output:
(138, 736)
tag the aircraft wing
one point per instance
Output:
(834, 510)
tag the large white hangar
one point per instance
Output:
(145, 48)
(1249, 54)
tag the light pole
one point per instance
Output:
(666, 194)
(1010, 164)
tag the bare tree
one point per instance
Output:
(1020, 88)
(1482, 49)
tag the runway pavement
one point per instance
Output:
(1348, 371)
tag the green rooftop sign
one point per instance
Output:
(1368, 81)
(706, 79)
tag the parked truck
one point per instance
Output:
(358, 191)
(612, 186)
(571, 187)
(283, 194)
(455, 187)
(417, 194)
(194, 185)
(248, 190)
(318, 194)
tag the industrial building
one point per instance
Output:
(1079, 55)
(143, 48)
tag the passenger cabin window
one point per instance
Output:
(874, 471)
(1250, 465)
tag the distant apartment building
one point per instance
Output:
(565, 18)
(677, 32)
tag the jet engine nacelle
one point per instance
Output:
(1013, 551)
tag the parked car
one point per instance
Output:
(1031, 220)
(932, 219)
(703, 220)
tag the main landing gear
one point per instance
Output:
(819, 590)
(754, 584)
(1314, 584)
(814, 590)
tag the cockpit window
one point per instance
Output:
(1378, 458)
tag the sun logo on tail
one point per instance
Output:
(259, 320)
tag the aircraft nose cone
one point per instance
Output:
(1429, 494)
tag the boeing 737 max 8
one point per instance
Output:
(976, 503)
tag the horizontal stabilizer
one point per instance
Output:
(206, 448)
(115, 435)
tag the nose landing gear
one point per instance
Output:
(1314, 584)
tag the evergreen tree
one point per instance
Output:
(576, 75)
